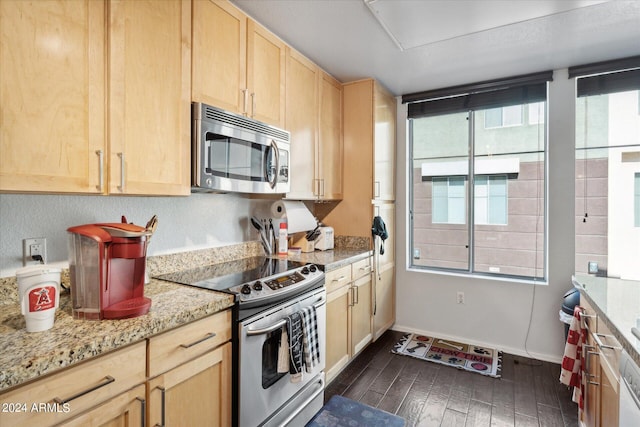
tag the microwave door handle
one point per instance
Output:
(276, 154)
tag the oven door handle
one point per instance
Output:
(279, 324)
(320, 303)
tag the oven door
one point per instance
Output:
(263, 392)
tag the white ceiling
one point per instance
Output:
(415, 45)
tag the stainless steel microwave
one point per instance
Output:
(233, 153)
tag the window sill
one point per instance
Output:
(488, 276)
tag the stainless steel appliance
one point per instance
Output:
(629, 392)
(267, 291)
(232, 153)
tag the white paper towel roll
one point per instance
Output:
(298, 217)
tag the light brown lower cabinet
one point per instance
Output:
(196, 393)
(184, 373)
(86, 387)
(601, 407)
(349, 314)
(128, 409)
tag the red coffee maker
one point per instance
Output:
(107, 270)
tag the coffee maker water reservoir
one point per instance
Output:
(107, 270)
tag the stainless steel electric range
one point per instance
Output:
(267, 291)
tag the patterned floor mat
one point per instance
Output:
(473, 358)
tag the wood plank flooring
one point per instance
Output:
(428, 394)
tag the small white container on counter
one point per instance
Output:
(39, 295)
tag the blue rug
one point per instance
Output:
(342, 412)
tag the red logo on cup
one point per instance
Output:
(42, 298)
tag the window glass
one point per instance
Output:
(504, 233)
(607, 166)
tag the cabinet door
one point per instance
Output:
(52, 95)
(149, 111)
(125, 410)
(330, 165)
(384, 303)
(219, 55)
(266, 62)
(385, 144)
(609, 400)
(302, 122)
(197, 393)
(338, 340)
(361, 314)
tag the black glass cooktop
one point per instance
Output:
(221, 277)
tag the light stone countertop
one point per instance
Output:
(26, 356)
(617, 303)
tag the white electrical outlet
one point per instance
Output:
(460, 297)
(34, 251)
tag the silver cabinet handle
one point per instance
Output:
(245, 92)
(143, 408)
(207, 337)
(122, 178)
(357, 295)
(339, 279)
(100, 185)
(322, 187)
(367, 269)
(597, 336)
(162, 407)
(376, 191)
(586, 362)
(106, 381)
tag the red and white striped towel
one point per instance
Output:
(572, 370)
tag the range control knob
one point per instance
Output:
(313, 268)
(257, 286)
(246, 289)
(305, 270)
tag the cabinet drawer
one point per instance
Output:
(337, 278)
(175, 347)
(361, 268)
(74, 390)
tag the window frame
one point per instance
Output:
(470, 180)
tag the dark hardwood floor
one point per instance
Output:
(429, 394)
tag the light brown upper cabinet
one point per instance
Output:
(314, 118)
(384, 118)
(149, 105)
(95, 99)
(52, 101)
(302, 108)
(330, 161)
(237, 64)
